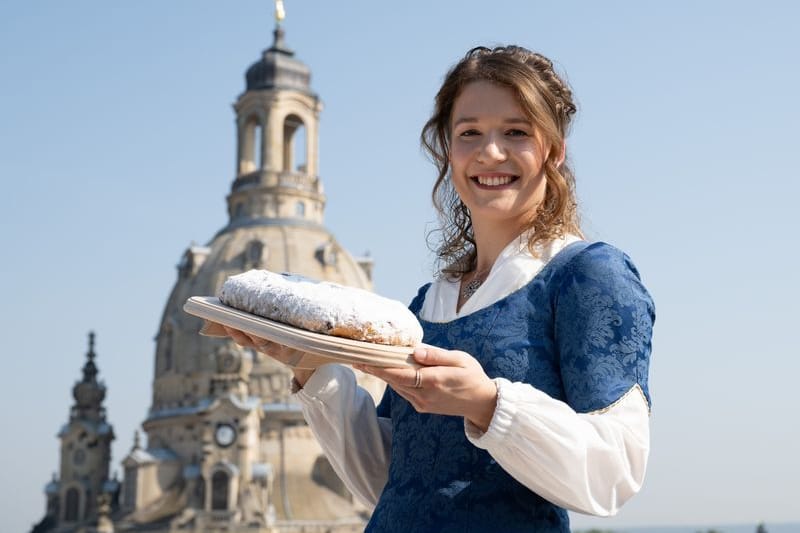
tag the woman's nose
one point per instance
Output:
(492, 149)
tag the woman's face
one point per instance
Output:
(496, 156)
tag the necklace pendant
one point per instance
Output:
(470, 288)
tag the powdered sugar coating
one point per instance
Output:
(322, 307)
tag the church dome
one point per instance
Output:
(210, 392)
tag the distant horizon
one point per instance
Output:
(783, 527)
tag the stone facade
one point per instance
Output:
(226, 449)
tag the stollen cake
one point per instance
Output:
(322, 307)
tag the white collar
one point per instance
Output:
(514, 268)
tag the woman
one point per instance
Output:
(537, 342)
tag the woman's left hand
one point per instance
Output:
(450, 382)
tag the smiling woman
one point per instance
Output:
(531, 395)
(496, 161)
(532, 105)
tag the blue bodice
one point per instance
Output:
(579, 331)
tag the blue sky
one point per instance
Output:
(118, 150)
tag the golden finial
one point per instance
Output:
(280, 12)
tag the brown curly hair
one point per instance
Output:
(547, 101)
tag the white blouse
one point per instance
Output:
(586, 462)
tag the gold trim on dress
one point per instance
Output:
(607, 408)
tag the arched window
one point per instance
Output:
(72, 502)
(300, 210)
(295, 150)
(254, 251)
(219, 491)
(254, 254)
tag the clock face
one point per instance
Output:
(225, 435)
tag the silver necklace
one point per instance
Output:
(471, 287)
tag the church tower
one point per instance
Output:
(225, 447)
(72, 497)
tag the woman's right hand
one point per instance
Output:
(284, 354)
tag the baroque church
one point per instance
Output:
(223, 446)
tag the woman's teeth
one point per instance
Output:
(494, 181)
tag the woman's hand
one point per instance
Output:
(450, 383)
(279, 352)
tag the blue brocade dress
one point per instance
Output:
(579, 331)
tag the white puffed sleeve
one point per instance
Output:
(586, 462)
(355, 440)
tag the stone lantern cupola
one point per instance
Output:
(277, 123)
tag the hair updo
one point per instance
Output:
(547, 101)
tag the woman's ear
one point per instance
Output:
(563, 155)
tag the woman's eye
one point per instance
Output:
(517, 133)
(469, 133)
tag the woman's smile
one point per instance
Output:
(495, 180)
